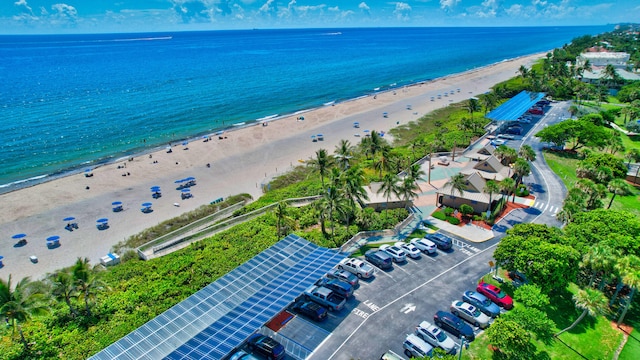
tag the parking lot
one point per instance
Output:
(387, 307)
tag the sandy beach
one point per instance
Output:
(239, 163)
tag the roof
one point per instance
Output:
(379, 198)
(597, 74)
(515, 107)
(490, 169)
(218, 318)
(482, 153)
(474, 191)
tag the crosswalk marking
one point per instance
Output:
(546, 206)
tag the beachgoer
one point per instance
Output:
(208, 165)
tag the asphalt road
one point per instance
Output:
(387, 308)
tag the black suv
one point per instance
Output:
(443, 242)
(454, 325)
(266, 347)
(310, 309)
(378, 258)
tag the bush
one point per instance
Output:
(453, 220)
(439, 215)
(448, 211)
(522, 190)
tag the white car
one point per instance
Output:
(468, 312)
(357, 267)
(396, 253)
(424, 245)
(412, 251)
(434, 336)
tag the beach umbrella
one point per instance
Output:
(1, 258)
(179, 181)
(190, 178)
(367, 130)
(19, 236)
(301, 117)
(53, 238)
(116, 203)
(147, 204)
(185, 190)
(185, 143)
(69, 218)
(102, 221)
(155, 187)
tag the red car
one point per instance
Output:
(496, 295)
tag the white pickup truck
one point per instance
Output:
(357, 267)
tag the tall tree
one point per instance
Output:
(282, 215)
(473, 105)
(408, 189)
(458, 183)
(505, 154)
(343, 154)
(508, 186)
(618, 187)
(321, 163)
(526, 152)
(491, 187)
(333, 202)
(591, 301)
(64, 289)
(88, 282)
(353, 190)
(600, 259)
(631, 277)
(521, 168)
(20, 304)
(389, 186)
(415, 173)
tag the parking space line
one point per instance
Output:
(396, 266)
(385, 273)
(405, 295)
(430, 258)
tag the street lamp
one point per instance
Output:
(464, 343)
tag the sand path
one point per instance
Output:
(241, 162)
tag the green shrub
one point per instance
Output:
(522, 190)
(453, 220)
(439, 215)
(448, 211)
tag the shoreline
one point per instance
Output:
(241, 162)
(142, 151)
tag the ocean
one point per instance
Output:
(70, 102)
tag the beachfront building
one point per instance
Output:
(472, 195)
(489, 169)
(483, 153)
(599, 59)
(379, 202)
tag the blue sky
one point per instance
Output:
(94, 16)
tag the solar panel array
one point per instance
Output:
(215, 320)
(515, 107)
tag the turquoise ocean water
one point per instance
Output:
(68, 102)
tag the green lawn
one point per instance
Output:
(564, 165)
(631, 349)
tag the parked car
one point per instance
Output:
(424, 245)
(339, 287)
(344, 275)
(242, 355)
(390, 355)
(357, 267)
(481, 302)
(397, 254)
(378, 258)
(310, 309)
(454, 325)
(495, 294)
(326, 297)
(517, 278)
(436, 337)
(470, 313)
(409, 249)
(514, 131)
(416, 347)
(266, 347)
(442, 241)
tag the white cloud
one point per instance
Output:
(267, 7)
(364, 8)
(64, 12)
(335, 8)
(402, 11)
(447, 5)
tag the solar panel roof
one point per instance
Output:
(215, 320)
(515, 107)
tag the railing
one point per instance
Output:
(203, 228)
(353, 242)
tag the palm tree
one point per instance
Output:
(521, 168)
(408, 189)
(415, 172)
(321, 163)
(610, 75)
(64, 289)
(568, 212)
(622, 266)
(505, 154)
(389, 186)
(591, 302)
(523, 71)
(21, 304)
(281, 211)
(343, 154)
(473, 105)
(372, 144)
(526, 152)
(508, 186)
(618, 187)
(491, 187)
(458, 183)
(353, 189)
(333, 201)
(382, 161)
(631, 277)
(87, 281)
(600, 258)
(489, 102)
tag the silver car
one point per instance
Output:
(396, 253)
(468, 312)
(412, 251)
(424, 245)
(436, 337)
